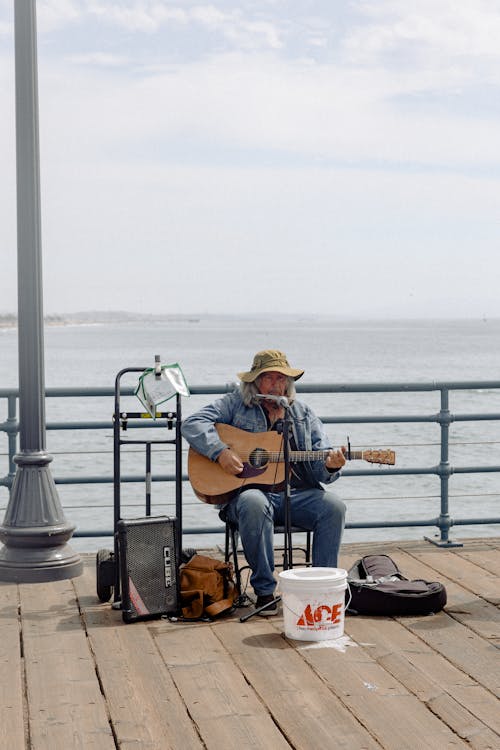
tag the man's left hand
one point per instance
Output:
(336, 459)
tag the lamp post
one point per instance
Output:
(34, 531)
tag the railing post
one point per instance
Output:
(444, 472)
(12, 436)
(10, 427)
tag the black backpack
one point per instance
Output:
(377, 587)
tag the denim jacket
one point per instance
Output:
(307, 428)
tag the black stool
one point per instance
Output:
(231, 547)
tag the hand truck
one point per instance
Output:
(109, 567)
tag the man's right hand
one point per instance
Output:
(230, 462)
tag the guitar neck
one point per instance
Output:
(299, 456)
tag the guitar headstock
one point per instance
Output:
(380, 457)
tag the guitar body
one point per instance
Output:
(215, 486)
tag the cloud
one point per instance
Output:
(99, 60)
(259, 108)
(53, 15)
(190, 136)
(335, 240)
(140, 17)
(241, 28)
(394, 86)
(434, 35)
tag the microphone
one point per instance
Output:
(280, 400)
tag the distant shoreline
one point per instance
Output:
(9, 320)
(98, 318)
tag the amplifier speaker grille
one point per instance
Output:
(148, 567)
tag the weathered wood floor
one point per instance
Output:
(75, 676)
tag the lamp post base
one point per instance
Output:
(35, 532)
(29, 565)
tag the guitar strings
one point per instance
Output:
(373, 456)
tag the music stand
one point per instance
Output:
(287, 546)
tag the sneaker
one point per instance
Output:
(269, 611)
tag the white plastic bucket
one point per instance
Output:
(313, 603)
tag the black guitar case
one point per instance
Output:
(377, 587)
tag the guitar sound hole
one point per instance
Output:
(258, 458)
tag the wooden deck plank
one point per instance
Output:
(458, 568)
(468, 708)
(12, 733)
(484, 555)
(466, 694)
(464, 724)
(308, 712)
(470, 637)
(456, 639)
(143, 704)
(465, 649)
(66, 707)
(93, 682)
(224, 706)
(376, 698)
(465, 606)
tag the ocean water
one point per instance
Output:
(211, 350)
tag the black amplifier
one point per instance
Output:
(148, 567)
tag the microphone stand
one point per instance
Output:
(288, 547)
(288, 550)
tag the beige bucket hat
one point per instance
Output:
(270, 360)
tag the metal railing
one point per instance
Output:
(443, 418)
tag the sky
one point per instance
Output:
(310, 156)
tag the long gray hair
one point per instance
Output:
(249, 390)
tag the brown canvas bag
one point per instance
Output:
(207, 587)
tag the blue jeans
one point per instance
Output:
(255, 513)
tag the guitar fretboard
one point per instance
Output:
(299, 456)
(317, 456)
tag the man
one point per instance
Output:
(254, 511)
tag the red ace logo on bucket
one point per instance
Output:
(323, 617)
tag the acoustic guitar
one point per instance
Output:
(263, 463)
